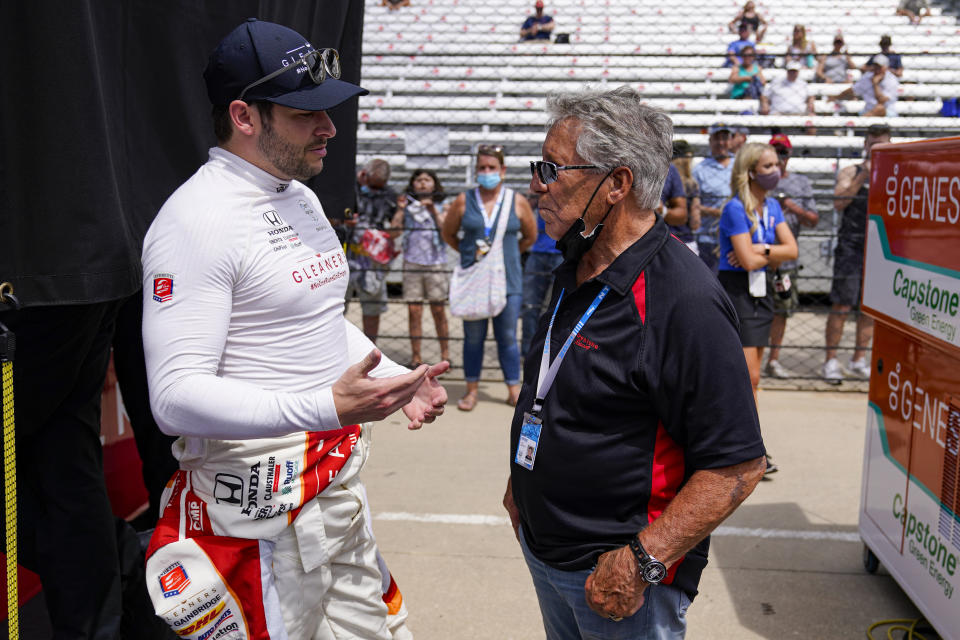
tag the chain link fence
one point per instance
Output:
(446, 76)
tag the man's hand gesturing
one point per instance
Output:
(430, 398)
(360, 398)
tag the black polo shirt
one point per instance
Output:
(654, 388)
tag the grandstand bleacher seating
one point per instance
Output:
(453, 70)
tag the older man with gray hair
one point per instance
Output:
(641, 398)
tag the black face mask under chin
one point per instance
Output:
(573, 244)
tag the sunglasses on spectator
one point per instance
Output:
(319, 63)
(783, 152)
(548, 172)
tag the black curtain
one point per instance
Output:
(104, 103)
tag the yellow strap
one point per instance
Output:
(10, 484)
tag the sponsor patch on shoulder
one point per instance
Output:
(174, 580)
(163, 287)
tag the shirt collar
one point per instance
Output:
(626, 268)
(248, 171)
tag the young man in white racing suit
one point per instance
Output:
(264, 531)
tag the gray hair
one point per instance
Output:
(618, 131)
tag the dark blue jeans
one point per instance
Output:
(566, 615)
(505, 333)
(537, 282)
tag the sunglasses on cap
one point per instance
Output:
(319, 64)
(494, 150)
(549, 172)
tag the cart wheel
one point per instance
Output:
(870, 561)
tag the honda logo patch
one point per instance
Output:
(272, 217)
(228, 489)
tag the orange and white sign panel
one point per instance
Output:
(912, 262)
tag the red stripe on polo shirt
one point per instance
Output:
(640, 295)
(667, 476)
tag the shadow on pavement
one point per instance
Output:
(811, 587)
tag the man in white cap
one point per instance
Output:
(264, 531)
(788, 95)
(877, 88)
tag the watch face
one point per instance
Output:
(654, 572)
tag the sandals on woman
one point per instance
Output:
(468, 401)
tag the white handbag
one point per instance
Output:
(480, 290)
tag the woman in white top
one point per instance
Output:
(801, 49)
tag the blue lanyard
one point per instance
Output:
(497, 206)
(764, 222)
(548, 370)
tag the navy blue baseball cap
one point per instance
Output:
(256, 49)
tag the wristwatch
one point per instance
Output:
(651, 570)
(766, 250)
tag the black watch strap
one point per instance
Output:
(651, 570)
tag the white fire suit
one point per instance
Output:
(263, 533)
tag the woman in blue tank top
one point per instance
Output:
(469, 222)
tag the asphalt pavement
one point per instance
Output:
(787, 564)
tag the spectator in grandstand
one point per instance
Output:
(754, 21)
(542, 259)
(895, 62)
(801, 50)
(682, 161)
(734, 48)
(850, 198)
(746, 78)
(538, 26)
(476, 213)
(834, 67)
(419, 217)
(754, 238)
(713, 179)
(795, 195)
(738, 138)
(914, 9)
(876, 87)
(376, 204)
(788, 95)
(393, 5)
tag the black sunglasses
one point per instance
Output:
(548, 172)
(319, 63)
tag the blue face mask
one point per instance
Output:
(364, 189)
(488, 180)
